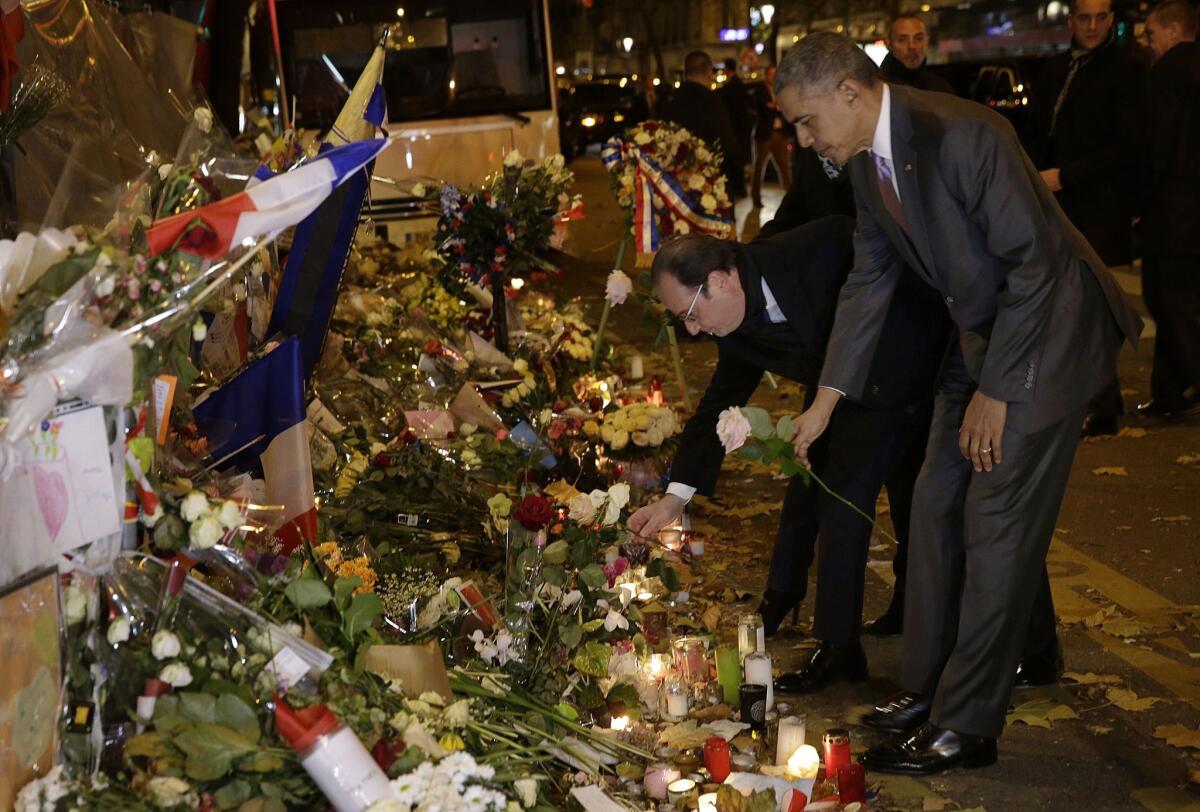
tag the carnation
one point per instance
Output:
(194, 506)
(230, 515)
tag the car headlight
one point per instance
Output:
(588, 121)
(618, 117)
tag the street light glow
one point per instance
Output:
(768, 11)
(627, 44)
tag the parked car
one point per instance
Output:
(1006, 85)
(592, 112)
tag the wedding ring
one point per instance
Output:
(987, 450)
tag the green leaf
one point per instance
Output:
(211, 750)
(567, 711)
(233, 794)
(361, 614)
(570, 634)
(670, 579)
(554, 575)
(593, 625)
(308, 593)
(750, 451)
(234, 713)
(198, 707)
(556, 552)
(625, 692)
(148, 745)
(785, 429)
(343, 588)
(592, 659)
(773, 448)
(655, 568)
(760, 422)
(262, 763)
(593, 576)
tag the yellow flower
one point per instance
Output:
(361, 568)
(451, 742)
(591, 428)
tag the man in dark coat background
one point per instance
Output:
(908, 41)
(741, 118)
(1083, 136)
(1170, 225)
(697, 107)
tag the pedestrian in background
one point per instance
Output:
(1084, 138)
(1170, 225)
(771, 137)
(696, 106)
(741, 117)
(908, 42)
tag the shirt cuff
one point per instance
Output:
(832, 389)
(684, 492)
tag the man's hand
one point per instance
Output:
(811, 424)
(1053, 179)
(982, 434)
(647, 521)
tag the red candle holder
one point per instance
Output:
(852, 784)
(837, 751)
(716, 758)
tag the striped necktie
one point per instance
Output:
(891, 201)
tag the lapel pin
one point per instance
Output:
(908, 167)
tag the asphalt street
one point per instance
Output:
(1123, 567)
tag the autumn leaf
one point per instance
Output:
(711, 618)
(1110, 470)
(1099, 730)
(1123, 627)
(1126, 699)
(1178, 736)
(684, 735)
(1093, 679)
(1100, 617)
(761, 507)
(1040, 713)
(1188, 459)
(1177, 519)
(561, 491)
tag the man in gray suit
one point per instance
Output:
(942, 187)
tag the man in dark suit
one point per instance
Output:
(945, 193)
(696, 106)
(769, 306)
(741, 119)
(771, 137)
(1170, 224)
(907, 41)
(1083, 136)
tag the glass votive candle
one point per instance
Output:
(729, 673)
(691, 658)
(851, 783)
(680, 791)
(753, 704)
(757, 667)
(657, 666)
(837, 751)
(716, 758)
(676, 693)
(658, 777)
(751, 634)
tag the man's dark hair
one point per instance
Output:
(731, 65)
(690, 258)
(696, 63)
(818, 62)
(900, 17)
(1177, 12)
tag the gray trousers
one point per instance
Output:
(977, 561)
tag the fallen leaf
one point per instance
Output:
(931, 804)
(1131, 431)
(711, 618)
(1099, 730)
(1126, 699)
(1179, 518)
(1101, 616)
(1188, 459)
(762, 507)
(1110, 470)
(712, 713)
(1123, 527)
(561, 491)
(1194, 776)
(1093, 679)
(684, 735)
(1040, 713)
(1178, 736)
(1123, 627)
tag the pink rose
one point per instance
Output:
(618, 286)
(733, 428)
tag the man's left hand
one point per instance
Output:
(1053, 179)
(982, 434)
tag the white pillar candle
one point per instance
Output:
(758, 671)
(804, 762)
(636, 371)
(677, 700)
(791, 736)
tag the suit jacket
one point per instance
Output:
(922, 78)
(702, 112)
(1039, 316)
(804, 268)
(1171, 173)
(1095, 143)
(736, 98)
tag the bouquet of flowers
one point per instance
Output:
(638, 426)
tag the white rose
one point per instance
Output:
(620, 439)
(74, 605)
(203, 118)
(654, 436)
(164, 645)
(106, 286)
(165, 170)
(467, 429)
(527, 790)
(520, 366)
(708, 202)
(639, 439)
(199, 330)
(581, 509)
(118, 630)
(230, 515)
(457, 714)
(733, 428)
(556, 162)
(618, 286)
(194, 506)
(168, 791)
(176, 675)
(514, 159)
(619, 495)
(205, 533)
(611, 514)
(418, 190)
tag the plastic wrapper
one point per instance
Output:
(25, 259)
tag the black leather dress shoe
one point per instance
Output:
(830, 662)
(901, 713)
(1169, 411)
(931, 749)
(889, 623)
(775, 607)
(1043, 668)
(1100, 425)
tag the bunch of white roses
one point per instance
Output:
(208, 520)
(643, 424)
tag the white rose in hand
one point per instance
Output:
(732, 428)
(618, 286)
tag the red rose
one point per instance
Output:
(534, 513)
(386, 751)
(383, 460)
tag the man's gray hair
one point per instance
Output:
(1177, 12)
(820, 61)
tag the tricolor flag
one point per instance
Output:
(256, 423)
(267, 208)
(309, 287)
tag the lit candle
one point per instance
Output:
(758, 672)
(837, 750)
(751, 636)
(658, 777)
(636, 371)
(804, 762)
(708, 802)
(679, 791)
(677, 699)
(696, 545)
(620, 722)
(656, 666)
(791, 736)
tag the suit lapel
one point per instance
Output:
(904, 163)
(866, 179)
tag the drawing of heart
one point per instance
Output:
(53, 498)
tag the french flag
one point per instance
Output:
(265, 208)
(256, 423)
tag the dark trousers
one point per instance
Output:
(863, 449)
(977, 564)
(1171, 288)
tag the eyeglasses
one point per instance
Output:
(688, 315)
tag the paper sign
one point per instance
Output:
(288, 668)
(163, 392)
(62, 493)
